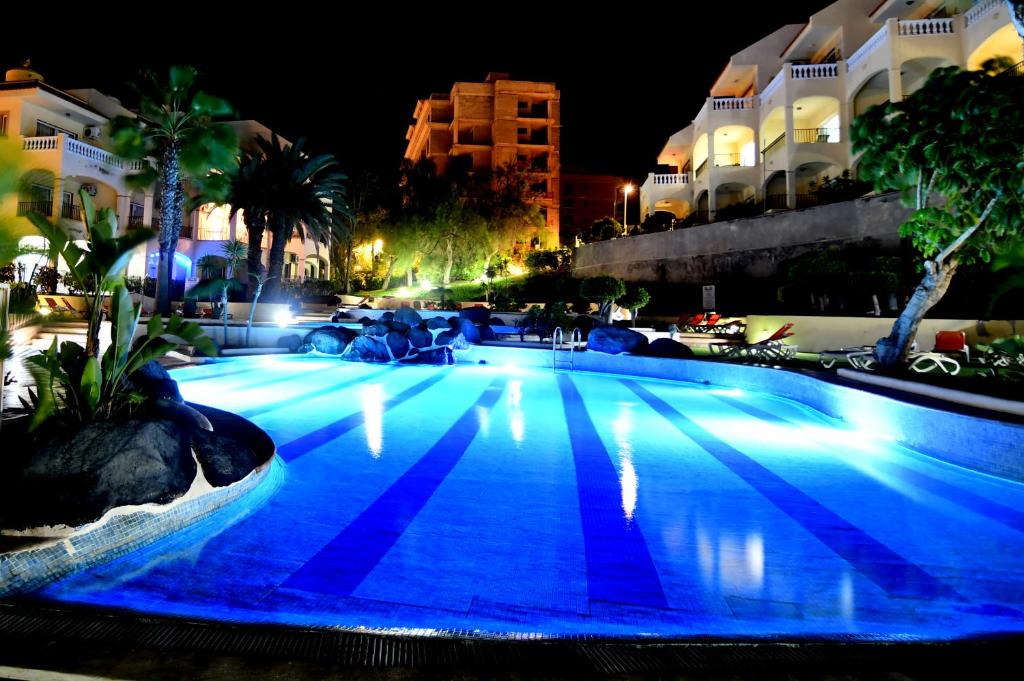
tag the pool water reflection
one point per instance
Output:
(472, 498)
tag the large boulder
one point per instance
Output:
(407, 315)
(435, 356)
(153, 381)
(468, 329)
(486, 333)
(477, 315)
(666, 347)
(387, 316)
(613, 340)
(330, 340)
(377, 329)
(82, 473)
(400, 327)
(291, 341)
(366, 349)
(420, 338)
(438, 323)
(398, 344)
(225, 460)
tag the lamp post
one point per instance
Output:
(627, 189)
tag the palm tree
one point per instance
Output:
(305, 196)
(249, 195)
(177, 138)
(219, 276)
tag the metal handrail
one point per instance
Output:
(558, 339)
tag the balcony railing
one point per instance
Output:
(732, 103)
(672, 178)
(727, 160)
(41, 207)
(813, 71)
(1015, 70)
(82, 150)
(816, 135)
(868, 48)
(775, 202)
(71, 211)
(135, 221)
(981, 10)
(926, 27)
(806, 200)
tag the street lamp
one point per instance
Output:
(627, 189)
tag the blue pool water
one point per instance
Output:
(518, 501)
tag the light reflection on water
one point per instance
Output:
(629, 483)
(371, 395)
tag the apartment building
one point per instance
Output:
(776, 121)
(64, 136)
(484, 126)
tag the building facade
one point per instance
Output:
(489, 125)
(587, 198)
(64, 136)
(776, 121)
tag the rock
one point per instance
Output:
(291, 341)
(365, 321)
(81, 474)
(364, 306)
(339, 315)
(445, 338)
(304, 348)
(153, 381)
(436, 356)
(400, 327)
(398, 344)
(486, 333)
(366, 349)
(378, 329)
(666, 347)
(420, 338)
(407, 315)
(225, 460)
(613, 340)
(330, 340)
(438, 323)
(477, 315)
(468, 329)
(496, 321)
(387, 316)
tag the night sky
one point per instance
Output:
(350, 84)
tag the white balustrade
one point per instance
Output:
(732, 103)
(672, 178)
(981, 10)
(926, 26)
(806, 71)
(79, 148)
(40, 143)
(867, 48)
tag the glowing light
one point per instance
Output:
(377, 245)
(403, 292)
(45, 311)
(754, 551)
(283, 318)
(846, 597)
(727, 392)
(627, 190)
(372, 398)
(515, 270)
(425, 284)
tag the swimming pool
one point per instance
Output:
(498, 500)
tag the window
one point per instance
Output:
(523, 131)
(44, 129)
(4, 117)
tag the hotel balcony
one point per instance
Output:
(670, 192)
(67, 156)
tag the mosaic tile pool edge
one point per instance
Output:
(31, 568)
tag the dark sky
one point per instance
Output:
(628, 79)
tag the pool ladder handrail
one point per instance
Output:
(558, 339)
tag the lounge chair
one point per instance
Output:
(55, 307)
(943, 357)
(709, 324)
(771, 349)
(692, 322)
(859, 357)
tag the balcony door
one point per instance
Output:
(44, 129)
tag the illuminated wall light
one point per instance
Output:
(284, 318)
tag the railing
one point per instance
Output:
(1015, 70)
(775, 202)
(773, 145)
(806, 200)
(185, 233)
(809, 71)
(867, 48)
(730, 160)
(816, 135)
(700, 168)
(558, 340)
(135, 221)
(71, 211)
(41, 207)
(774, 85)
(701, 216)
(672, 178)
(82, 149)
(732, 103)
(980, 10)
(926, 27)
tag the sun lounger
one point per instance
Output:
(771, 349)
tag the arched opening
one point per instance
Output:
(213, 222)
(775, 191)
(703, 208)
(1003, 43)
(773, 132)
(36, 192)
(316, 267)
(810, 177)
(735, 200)
(875, 90)
(700, 155)
(816, 120)
(914, 72)
(734, 146)
(679, 208)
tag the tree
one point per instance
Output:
(233, 255)
(261, 281)
(369, 209)
(960, 138)
(1016, 8)
(249, 195)
(177, 138)
(305, 196)
(604, 291)
(633, 299)
(602, 230)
